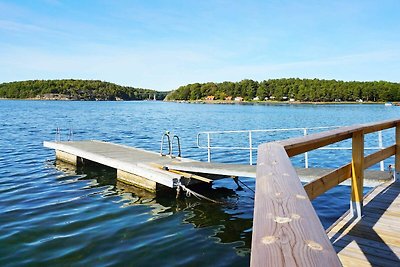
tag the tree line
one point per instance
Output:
(76, 90)
(313, 90)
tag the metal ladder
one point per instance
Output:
(170, 137)
(70, 135)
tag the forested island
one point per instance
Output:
(70, 89)
(303, 90)
(292, 90)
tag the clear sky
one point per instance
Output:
(164, 44)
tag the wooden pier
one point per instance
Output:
(151, 171)
(286, 229)
(373, 240)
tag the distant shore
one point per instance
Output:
(220, 102)
(231, 102)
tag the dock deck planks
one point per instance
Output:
(375, 239)
(127, 158)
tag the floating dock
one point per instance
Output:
(151, 171)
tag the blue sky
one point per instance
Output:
(164, 44)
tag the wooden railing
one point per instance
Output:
(286, 228)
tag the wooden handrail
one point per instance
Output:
(286, 229)
(299, 145)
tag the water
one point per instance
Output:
(84, 217)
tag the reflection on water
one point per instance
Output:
(59, 218)
(226, 219)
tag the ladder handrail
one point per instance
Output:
(170, 145)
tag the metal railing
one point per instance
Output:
(254, 147)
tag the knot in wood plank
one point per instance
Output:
(269, 239)
(282, 219)
(314, 245)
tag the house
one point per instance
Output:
(256, 98)
(266, 98)
(292, 100)
(210, 98)
(239, 98)
(228, 98)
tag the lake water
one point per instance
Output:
(84, 217)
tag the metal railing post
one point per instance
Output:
(208, 147)
(251, 148)
(305, 154)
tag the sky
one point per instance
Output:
(163, 44)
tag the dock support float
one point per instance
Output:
(69, 158)
(123, 176)
(138, 181)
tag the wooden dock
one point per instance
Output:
(134, 166)
(150, 170)
(373, 240)
(286, 229)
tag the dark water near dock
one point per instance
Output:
(84, 217)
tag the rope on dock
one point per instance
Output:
(190, 192)
(246, 186)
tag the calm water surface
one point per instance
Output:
(56, 215)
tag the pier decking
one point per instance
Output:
(286, 229)
(373, 240)
(146, 169)
(134, 166)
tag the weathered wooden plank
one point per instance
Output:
(286, 229)
(379, 156)
(368, 243)
(357, 173)
(335, 177)
(299, 145)
(357, 259)
(351, 261)
(374, 255)
(328, 181)
(378, 126)
(192, 176)
(381, 235)
(375, 238)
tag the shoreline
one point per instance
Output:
(214, 102)
(232, 102)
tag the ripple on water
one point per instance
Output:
(52, 217)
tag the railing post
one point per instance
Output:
(305, 154)
(208, 147)
(397, 157)
(357, 171)
(380, 143)
(251, 148)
